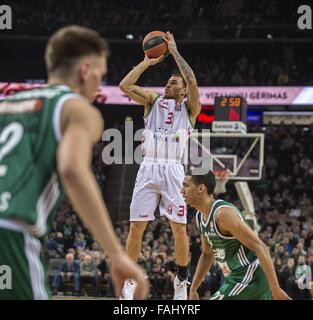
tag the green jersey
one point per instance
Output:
(237, 262)
(29, 135)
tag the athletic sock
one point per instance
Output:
(182, 273)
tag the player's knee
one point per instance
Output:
(179, 231)
(136, 229)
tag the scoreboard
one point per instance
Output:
(230, 114)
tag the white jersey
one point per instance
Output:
(167, 129)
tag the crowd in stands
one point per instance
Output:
(283, 203)
(114, 18)
(256, 63)
(223, 69)
(285, 198)
(75, 258)
(245, 67)
(248, 66)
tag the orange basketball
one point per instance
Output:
(154, 45)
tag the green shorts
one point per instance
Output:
(250, 285)
(21, 254)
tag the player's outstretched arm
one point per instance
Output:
(193, 97)
(203, 266)
(134, 92)
(81, 127)
(229, 221)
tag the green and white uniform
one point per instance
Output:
(244, 278)
(29, 185)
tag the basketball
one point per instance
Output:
(154, 45)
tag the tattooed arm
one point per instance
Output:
(136, 93)
(193, 97)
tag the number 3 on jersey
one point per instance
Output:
(10, 137)
(169, 119)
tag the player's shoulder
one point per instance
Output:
(152, 96)
(79, 106)
(80, 114)
(81, 111)
(226, 210)
(220, 203)
(157, 98)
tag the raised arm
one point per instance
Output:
(193, 97)
(81, 127)
(229, 221)
(204, 265)
(136, 93)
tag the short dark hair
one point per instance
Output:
(178, 74)
(70, 43)
(207, 179)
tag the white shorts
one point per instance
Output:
(159, 184)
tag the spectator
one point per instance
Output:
(80, 241)
(54, 249)
(287, 277)
(68, 272)
(81, 256)
(68, 233)
(90, 274)
(104, 268)
(60, 240)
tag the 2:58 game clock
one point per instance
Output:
(230, 109)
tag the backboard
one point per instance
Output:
(241, 154)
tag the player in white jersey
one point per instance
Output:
(169, 120)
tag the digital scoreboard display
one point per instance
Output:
(230, 109)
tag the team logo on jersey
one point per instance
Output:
(219, 254)
(20, 106)
(163, 104)
(211, 226)
(169, 209)
(178, 106)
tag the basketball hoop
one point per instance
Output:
(222, 177)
